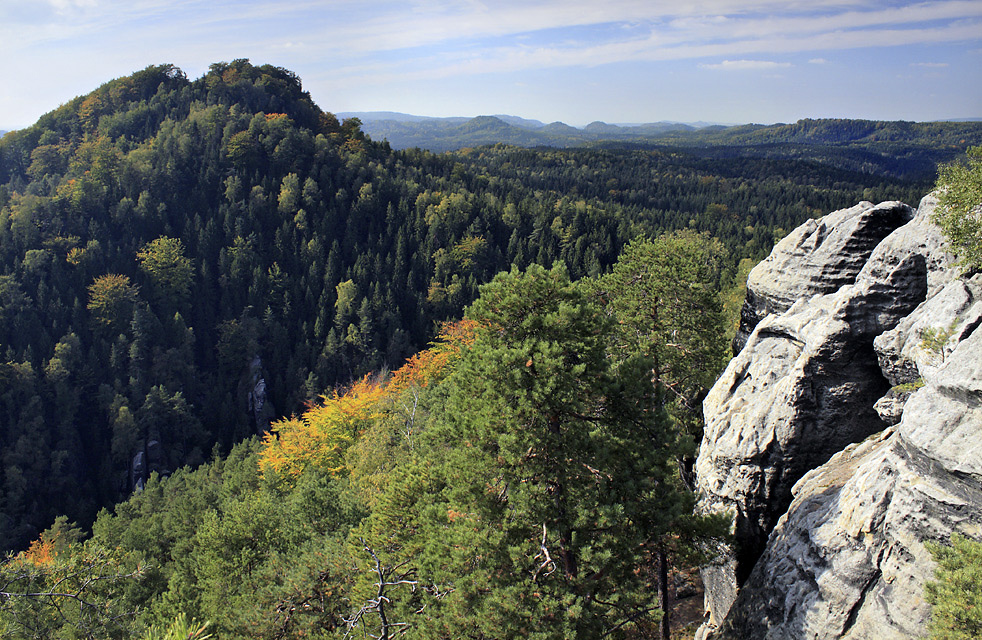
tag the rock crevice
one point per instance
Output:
(846, 431)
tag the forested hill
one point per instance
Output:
(181, 260)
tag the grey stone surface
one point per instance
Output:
(848, 559)
(955, 310)
(804, 386)
(818, 257)
(890, 407)
(805, 404)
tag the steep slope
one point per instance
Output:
(182, 259)
(848, 559)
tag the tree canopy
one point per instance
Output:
(956, 593)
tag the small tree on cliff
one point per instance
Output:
(959, 212)
(956, 595)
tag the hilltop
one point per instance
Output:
(448, 134)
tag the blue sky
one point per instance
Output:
(576, 61)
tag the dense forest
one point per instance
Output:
(184, 261)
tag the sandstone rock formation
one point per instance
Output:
(818, 257)
(848, 559)
(806, 386)
(258, 403)
(950, 315)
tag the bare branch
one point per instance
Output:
(547, 561)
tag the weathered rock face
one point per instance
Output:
(800, 391)
(150, 459)
(948, 317)
(848, 560)
(818, 257)
(804, 386)
(808, 384)
(258, 403)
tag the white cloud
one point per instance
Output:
(746, 65)
(62, 6)
(348, 43)
(708, 20)
(653, 48)
(467, 39)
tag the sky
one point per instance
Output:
(575, 61)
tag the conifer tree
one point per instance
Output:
(956, 595)
(546, 476)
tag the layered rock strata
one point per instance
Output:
(806, 386)
(848, 559)
(818, 257)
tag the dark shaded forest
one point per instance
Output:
(182, 261)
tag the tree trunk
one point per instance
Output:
(566, 551)
(666, 598)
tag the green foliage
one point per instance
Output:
(665, 297)
(542, 487)
(960, 208)
(62, 589)
(734, 296)
(220, 543)
(169, 270)
(516, 480)
(900, 148)
(934, 339)
(956, 593)
(160, 234)
(111, 300)
(908, 387)
(180, 629)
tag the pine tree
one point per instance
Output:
(545, 476)
(956, 595)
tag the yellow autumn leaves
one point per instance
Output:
(322, 435)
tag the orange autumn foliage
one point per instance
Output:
(40, 553)
(426, 366)
(321, 436)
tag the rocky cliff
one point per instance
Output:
(846, 432)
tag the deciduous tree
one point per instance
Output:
(169, 270)
(959, 212)
(111, 300)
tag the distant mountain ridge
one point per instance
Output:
(404, 131)
(449, 134)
